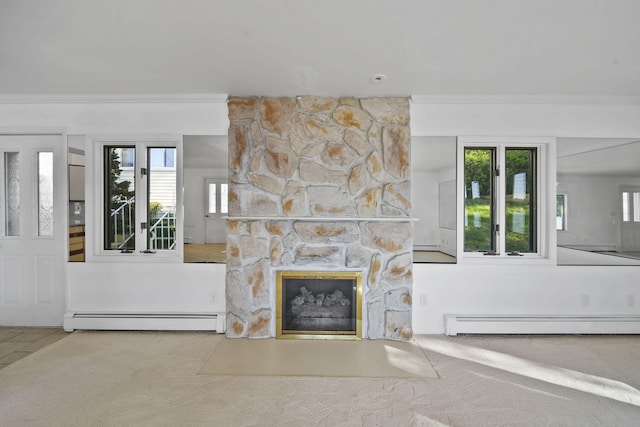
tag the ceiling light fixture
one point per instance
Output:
(376, 79)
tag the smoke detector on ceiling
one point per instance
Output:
(376, 79)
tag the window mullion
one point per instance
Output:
(141, 196)
(500, 202)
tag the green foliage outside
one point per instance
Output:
(479, 164)
(118, 192)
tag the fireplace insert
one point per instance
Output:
(319, 304)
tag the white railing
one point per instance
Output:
(123, 222)
(163, 232)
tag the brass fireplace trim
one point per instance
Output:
(327, 335)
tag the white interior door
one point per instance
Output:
(215, 207)
(33, 236)
(630, 224)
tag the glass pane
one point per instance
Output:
(224, 198)
(212, 198)
(560, 212)
(12, 193)
(119, 214)
(162, 203)
(520, 199)
(478, 214)
(625, 207)
(45, 193)
(636, 207)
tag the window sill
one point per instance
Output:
(136, 257)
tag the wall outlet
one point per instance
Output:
(423, 300)
(631, 300)
(585, 300)
(212, 298)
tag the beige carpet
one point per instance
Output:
(152, 379)
(319, 358)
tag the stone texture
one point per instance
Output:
(317, 104)
(387, 110)
(256, 276)
(314, 156)
(352, 117)
(389, 237)
(337, 156)
(252, 247)
(313, 129)
(398, 325)
(398, 196)
(243, 108)
(396, 151)
(330, 201)
(375, 271)
(322, 256)
(376, 323)
(236, 326)
(326, 232)
(238, 148)
(358, 179)
(279, 158)
(294, 200)
(238, 293)
(367, 205)
(315, 173)
(358, 257)
(260, 324)
(275, 114)
(267, 183)
(400, 298)
(357, 142)
(398, 271)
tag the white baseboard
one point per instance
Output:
(455, 324)
(145, 321)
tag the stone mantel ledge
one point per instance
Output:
(321, 218)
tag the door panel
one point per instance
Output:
(32, 229)
(215, 226)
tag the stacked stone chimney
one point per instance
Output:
(323, 184)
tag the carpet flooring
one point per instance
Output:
(319, 358)
(154, 379)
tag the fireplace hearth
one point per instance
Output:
(318, 304)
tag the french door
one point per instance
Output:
(630, 224)
(33, 206)
(215, 209)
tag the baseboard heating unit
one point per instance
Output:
(145, 321)
(455, 324)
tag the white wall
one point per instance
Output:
(453, 288)
(522, 289)
(594, 209)
(424, 193)
(134, 286)
(194, 201)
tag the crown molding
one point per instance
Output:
(178, 98)
(525, 99)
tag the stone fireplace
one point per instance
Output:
(319, 184)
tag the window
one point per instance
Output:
(139, 214)
(500, 199)
(561, 212)
(630, 206)
(45, 193)
(217, 197)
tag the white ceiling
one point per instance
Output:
(328, 47)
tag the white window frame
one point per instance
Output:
(545, 218)
(94, 199)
